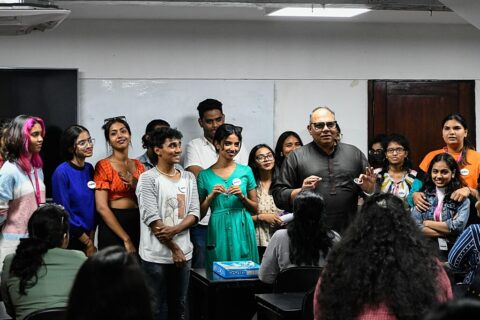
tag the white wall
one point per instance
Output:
(292, 53)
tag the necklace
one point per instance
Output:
(167, 174)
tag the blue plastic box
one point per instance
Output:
(236, 269)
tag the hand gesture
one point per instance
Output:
(311, 182)
(236, 191)
(460, 194)
(218, 189)
(128, 179)
(164, 233)
(367, 180)
(420, 201)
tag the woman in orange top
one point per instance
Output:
(116, 179)
(454, 132)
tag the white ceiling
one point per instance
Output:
(233, 11)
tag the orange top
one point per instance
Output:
(107, 178)
(469, 172)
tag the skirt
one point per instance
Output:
(129, 219)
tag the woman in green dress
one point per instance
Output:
(228, 189)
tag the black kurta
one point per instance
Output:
(337, 171)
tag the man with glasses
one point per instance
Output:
(328, 167)
(201, 154)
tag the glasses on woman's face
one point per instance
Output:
(321, 125)
(395, 150)
(86, 142)
(264, 157)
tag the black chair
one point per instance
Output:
(297, 279)
(48, 314)
(307, 305)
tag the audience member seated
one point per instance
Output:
(305, 242)
(465, 253)
(382, 268)
(41, 272)
(465, 309)
(110, 285)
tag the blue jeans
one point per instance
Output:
(169, 286)
(198, 236)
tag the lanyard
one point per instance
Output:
(459, 159)
(36, 186)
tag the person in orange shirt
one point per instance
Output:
(116, 179)
(454, 132)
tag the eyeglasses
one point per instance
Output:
(375, 152)
(84, 143)
(264, 157)
(321, 125)
(114, 119)
(397, 150)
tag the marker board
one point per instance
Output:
(247, 103)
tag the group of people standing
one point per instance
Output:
(225, 204)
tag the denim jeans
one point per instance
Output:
(169, 286)
(198, 236)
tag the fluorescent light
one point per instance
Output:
(318, 12)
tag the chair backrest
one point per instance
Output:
(297, 279)
(307, 305)
(48, 314)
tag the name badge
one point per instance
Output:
(442, 244)
(91, 184)
(464, 172)
(236, 182)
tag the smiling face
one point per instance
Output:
(290, 144)
(229, 147)
(441, 174)
(36, 139)
(118, 136)
(170, 151)
(264, 159)
(322, 129)
(454, 133)
(212, 119)
(396, 153)
(83, 147)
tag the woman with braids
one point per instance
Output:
(21, 179)
(454, 132)
(305, 242)
(381, 269)
(41, 272)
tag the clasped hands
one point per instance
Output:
(219, 188)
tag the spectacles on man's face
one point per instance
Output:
(114, 118)
(397, 150)
(86, 142)
(264, 157)
(321, 125)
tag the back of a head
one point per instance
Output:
(110, 285)
(464, 309)
(382, 258)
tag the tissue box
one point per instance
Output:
(236, 269)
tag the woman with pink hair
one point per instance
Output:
(21, 180)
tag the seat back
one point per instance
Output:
(307, 305)
(297, 279)
(48, 314)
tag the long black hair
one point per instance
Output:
(382, 259)
(466, 142)
(110, 285)
(457, 180)
(68, 140)
(279, 156)
(252, 162)
(47, 229)
(225, 130)
(307, 232)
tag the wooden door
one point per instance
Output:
(416, 109)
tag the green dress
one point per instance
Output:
(231, 233)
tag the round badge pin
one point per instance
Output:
(91, 184)
(464, 172)
(236, 182)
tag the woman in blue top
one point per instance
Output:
(446, 218)
(73, 187)
(228, 189)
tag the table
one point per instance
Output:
(213, 297)
(279, 306)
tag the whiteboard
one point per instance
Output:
(247, 103)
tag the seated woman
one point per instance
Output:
(381, 269)
(305, 242)
(465, 253)
(445, 218)
(110, 285)
(41, 272)
(396, 176)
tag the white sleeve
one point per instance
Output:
(192, 156)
